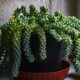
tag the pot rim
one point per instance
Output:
(61, 70)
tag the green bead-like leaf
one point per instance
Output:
(42, 37)
(76, 55)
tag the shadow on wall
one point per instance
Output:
(72, 7)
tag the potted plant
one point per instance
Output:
(46, 40)
(71, 26)
(33, 44)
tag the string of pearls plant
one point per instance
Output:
(15, 37)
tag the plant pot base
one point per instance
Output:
(58, 75)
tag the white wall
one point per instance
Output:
(67, 7)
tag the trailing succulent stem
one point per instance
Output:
(16, 40)
(55, 35)
(6, 49)
(26, 43)
(60, 26)
(76, 55)
(10, 47)
(67, 47)
(42, 44)
(72, 21)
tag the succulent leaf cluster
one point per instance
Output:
(76, 55)
(16, 34)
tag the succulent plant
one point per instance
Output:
(16, 34)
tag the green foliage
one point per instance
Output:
(15, 36)
(10, 48)
(42, 44)
(67, 46)
(55, 35)
(6, 48)
(16, 39)
(60, 26)
(76, 55)
(26, 42)
(72, 21)
(32, 10)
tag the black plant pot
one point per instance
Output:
(54, 55)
